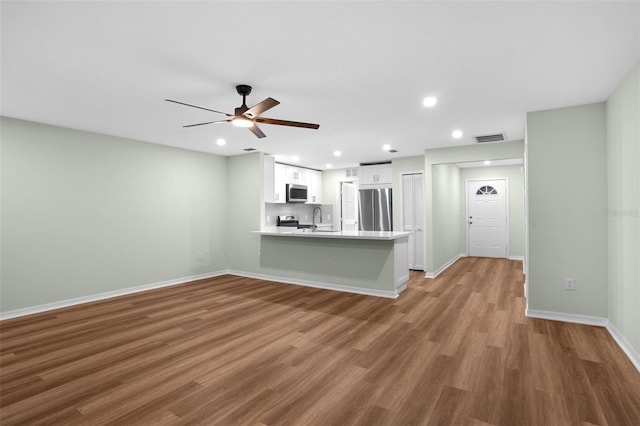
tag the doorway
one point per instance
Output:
(348, 206)
(487, 218)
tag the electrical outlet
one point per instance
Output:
(328, 217)
(570, 284)
(268, 219)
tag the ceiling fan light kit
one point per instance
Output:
(244, 116)
(241, 122)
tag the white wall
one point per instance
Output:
(84, 213)
(515, 175)
(567, 192)
(623, 176)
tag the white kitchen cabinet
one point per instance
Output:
(313, 179)
(269, 164)
(376, 174)
(295, 175)
(274, 181)
(279, 183)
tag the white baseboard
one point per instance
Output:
(561, 316)
(106, 295)
(520, 258)
(445, 266)
(323, 285)
(624, 344)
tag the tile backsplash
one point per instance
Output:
(303, 211)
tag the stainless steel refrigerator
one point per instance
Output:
(375, 210)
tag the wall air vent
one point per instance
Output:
(249, 149)
(498, 137)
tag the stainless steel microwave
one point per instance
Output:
(296, 193)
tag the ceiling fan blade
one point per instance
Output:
(256, 131)
(208, 122)
(195, 106)
(286, 123)
(261, 107)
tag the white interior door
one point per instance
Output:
(413, 217)
(348, 206)
(487, 218)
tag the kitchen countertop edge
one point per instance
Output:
(353, 235)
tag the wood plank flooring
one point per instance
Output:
(456, 350)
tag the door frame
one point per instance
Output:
(424, 209)
(506, 205)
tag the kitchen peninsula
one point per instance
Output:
(365, 262)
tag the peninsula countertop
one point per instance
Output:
(328, 233)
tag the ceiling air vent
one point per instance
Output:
(499, 137)
(249, 149)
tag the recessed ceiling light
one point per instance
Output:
(328, 166)
(429, 101)
(337, 153)
(487, 162)
(386, 147)
(295, 158)
(457, 134)
(221, 142)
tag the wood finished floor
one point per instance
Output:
(456, 350)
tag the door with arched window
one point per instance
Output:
(487, 218)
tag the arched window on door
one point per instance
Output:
(486, 190)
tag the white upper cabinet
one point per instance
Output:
(274, 181)
(269, 165)
(280, 184)
(277, 176)
(378, 174)
(313, 179)
(295, 175)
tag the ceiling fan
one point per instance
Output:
(244, 116)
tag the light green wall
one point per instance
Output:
(623, 176)
(448, 212)
(84, 213)
(567, 200)
(515, 176)
(491, 151)
(245, 206)
(354, 263)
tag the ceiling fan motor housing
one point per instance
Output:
(243, 89)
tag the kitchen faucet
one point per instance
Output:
(313, 217)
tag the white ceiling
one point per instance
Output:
(360, 69)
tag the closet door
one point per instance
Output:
(413, 217)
